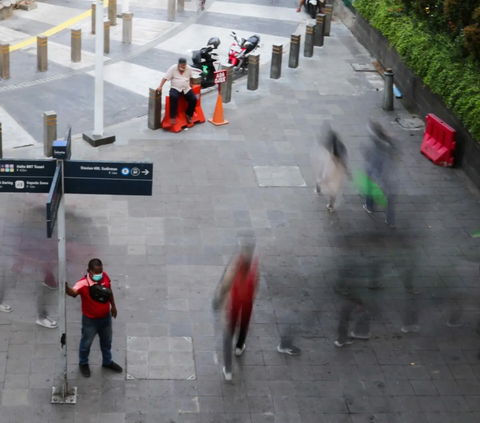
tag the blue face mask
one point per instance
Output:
(97, 278)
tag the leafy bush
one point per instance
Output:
(431, 56)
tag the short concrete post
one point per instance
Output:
(106, 34)
(227, 86)
(253, 72)
(76, 45)
(180, 5)
(276, 67)
(309, 41)
(294, 51)
(4, 61)
(42, 53)
(320, 30)
(49, 132)
(127, 27)
(112, 12)
(94, 12)
(388, 91)
(1, 142)
(196, 80)
(154, 109)
(328, 19)
(171, 10)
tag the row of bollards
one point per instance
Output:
(76, 42)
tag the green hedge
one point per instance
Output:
(432, 57)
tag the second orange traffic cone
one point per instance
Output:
(218, 117)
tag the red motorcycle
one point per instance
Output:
(240, 50)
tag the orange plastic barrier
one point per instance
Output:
(438, 141)
(181, 120)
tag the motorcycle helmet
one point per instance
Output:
(214, 41)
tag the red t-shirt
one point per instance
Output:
(90, 308)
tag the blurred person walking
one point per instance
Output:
(236, 294)
(98, 308)
(330, 165)
(379, 157)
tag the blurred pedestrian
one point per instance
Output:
(353, 305)
(379, 156)
(330, 164)
(98, 307)
(236, 293)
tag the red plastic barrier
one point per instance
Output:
(181, 120)
(438, 141)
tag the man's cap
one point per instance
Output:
(182, 61)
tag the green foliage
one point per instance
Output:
(433, 57)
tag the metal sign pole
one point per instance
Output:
(62, 394)
(99, 46)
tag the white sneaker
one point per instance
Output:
(6, 308)
(239, 351)
(228, 376)
(354, 335)
(330, 208)
(348, 341)
(293, 350)
(47, 322)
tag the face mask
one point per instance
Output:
(96, 278)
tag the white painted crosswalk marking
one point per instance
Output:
(129, 76)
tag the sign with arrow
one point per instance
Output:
(108, 178)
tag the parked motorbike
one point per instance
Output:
(204, 60)
(312, 7)
(240, 50)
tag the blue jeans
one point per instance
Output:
(92, 327)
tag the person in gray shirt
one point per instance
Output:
(180, 80)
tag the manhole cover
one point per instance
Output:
(411, 123)
(363, 67)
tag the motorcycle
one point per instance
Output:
(240, 50)
(204, 61)
(312, 7)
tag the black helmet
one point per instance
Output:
(214, 41)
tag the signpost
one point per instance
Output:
(64, 176)
(218, 118)
(219, 78)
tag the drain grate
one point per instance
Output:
(411, 124)
(363, 67)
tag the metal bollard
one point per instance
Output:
(127, 27)
(388, 90)
(112, 12)
(309, 38)
(49, 132)
(154, 109)
(76, 45)
(276, 67)
(42, 53)
(294, 51)
(106, 35)
(319, 30)
(1, 142)
(328, 19)
(253, 72)
(181, 5)
(4, 61)
(171, 10)
(227, 86)
(94, 12)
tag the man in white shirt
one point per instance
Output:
(180, 80)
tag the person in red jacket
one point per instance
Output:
(239, 288)
(96, 316)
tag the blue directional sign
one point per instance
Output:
(26, 175)
(108, 178)
(53, 200)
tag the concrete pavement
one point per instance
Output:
(166, 253)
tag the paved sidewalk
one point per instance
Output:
(166, 253)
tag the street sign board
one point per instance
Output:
(108, 178)
(62, 149)
(53, 200)
(220, 76)
(26, 175)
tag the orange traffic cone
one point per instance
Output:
(218, 118)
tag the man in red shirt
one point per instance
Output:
(96, 317)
